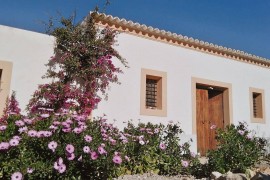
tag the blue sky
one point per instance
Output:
(238, 24)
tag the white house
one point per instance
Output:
(171, 77)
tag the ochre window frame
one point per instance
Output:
(161, 109)
(5, 83)
(262, 105)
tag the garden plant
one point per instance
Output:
(238, 149)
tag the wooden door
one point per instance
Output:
(202, 113)
(216, 115)
(209, 111)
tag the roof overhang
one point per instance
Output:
(123, 25)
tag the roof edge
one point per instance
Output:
(124, 25)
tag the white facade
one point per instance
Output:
(181, 65)
(29, 51)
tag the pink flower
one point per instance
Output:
(101, 150)
(102, 145)
(249, 136)
(142, 129)
(52, 145)
(56, 166)
(19, 123)
(60, 161)
(14, 142)
(65, 125)
(69, 121)
(184, 163)
(162, 146)
(52, 127)
(62, 168)
(71, 156)
(127, 158)
(47, 133)
(3, 127)
(22, 129)
(241, 132)
(77, 130)
(126, 134)
(113, 142)
(32, 133)
(86, 149)
(83, 127)
(12, 113)
(66, 130)
(87, 138)
(45, 115)
(94, 155)
(193, 154)
(40, 134)
(59, 165)
(117, 159)
(4, 145)
(56, 123)
(28, 121)
(81, 123)
(17, 137)
(17, 176)
(104, 135)
(156, 130)
(80, 118)
(213, 126)
(70, 148)
(30, 170)
(142, 142)
(80, 158)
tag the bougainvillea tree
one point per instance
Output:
(81, 67)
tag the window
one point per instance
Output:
(5, 78)
(153, 93)
(257, 105)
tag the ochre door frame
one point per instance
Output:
(227, 99)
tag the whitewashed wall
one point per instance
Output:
(181, 64)
(28, 51)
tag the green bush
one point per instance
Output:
(238, 149)
(159, 150)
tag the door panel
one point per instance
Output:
(202, 120)
(216, 115)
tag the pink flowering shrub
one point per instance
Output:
(238, 149)
(81, 68)
(157, 148)
(97, 151)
